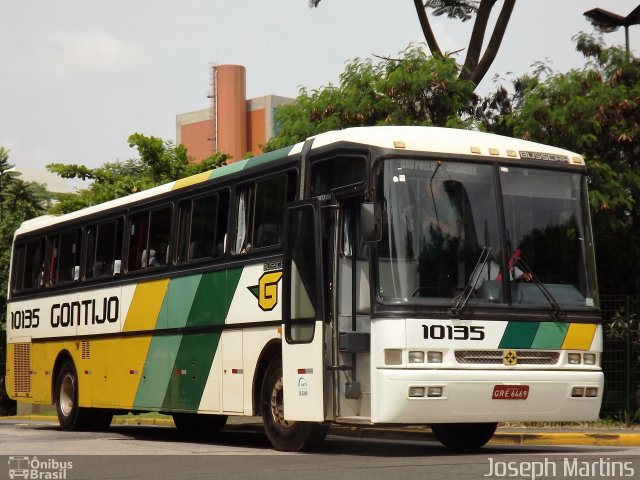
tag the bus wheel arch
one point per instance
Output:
(273, 349)
(284, 435)
(63, 356)
(66, 394)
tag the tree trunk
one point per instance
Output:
(474, 68)
(426, 28)
(477, 38)
(494, 44)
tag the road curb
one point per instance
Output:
(605, 439)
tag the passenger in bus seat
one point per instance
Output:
(153, 260)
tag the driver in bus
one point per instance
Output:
(492, 271)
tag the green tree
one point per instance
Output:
(476, 62)
(415, 89)
(160, 161)
(19, 201)
(594, 110)
(7, 176)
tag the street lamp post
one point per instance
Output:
(606, 21)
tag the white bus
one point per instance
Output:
(373, 276)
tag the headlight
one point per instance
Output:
(392, 356)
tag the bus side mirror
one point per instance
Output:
(368, 223)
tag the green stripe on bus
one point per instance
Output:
(268, 157)
(227, 169)
(212, 299)
(194, 358)
(163, 349)
(519, 335)
(550, 336)
(182, 293)
(156, 373)
(250, 163)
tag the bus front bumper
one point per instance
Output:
(467, 396)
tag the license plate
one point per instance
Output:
(510, 392)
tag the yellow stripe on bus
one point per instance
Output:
(143, 315)
(579, 336)
(185, 182)
(145, 306)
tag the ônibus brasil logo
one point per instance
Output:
(38, 469)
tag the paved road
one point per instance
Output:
(152, 452)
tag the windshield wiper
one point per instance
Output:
(463, 298)
(558, 314)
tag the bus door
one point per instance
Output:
(351, 331)
(304, 313)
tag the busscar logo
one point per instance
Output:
(267, 290)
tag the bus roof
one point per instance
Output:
(413, 138)
(439, 140)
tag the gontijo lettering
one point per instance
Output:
(86, 312)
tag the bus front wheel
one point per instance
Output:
(464, 436)
(285, 435)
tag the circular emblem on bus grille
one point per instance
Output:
(510, 358)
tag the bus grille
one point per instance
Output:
(494, 357)
(22, 369)
(86, 350)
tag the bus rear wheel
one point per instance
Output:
(464, 436)
(285, 435)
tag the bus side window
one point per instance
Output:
(104, 248)
(184, 230)
(17, 268)
(202, 227)
(138, 226)
(69, 269)
(159, 235)
(89, 264)
(269, 209)
(29, 266)
(203, 224)
(64, 257)
(222, 222)
(261, 210)
(244, 221)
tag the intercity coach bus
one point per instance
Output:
(374, 276)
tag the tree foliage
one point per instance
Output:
(415, 89)
(160, 161)
(594, 110)
(477, 62)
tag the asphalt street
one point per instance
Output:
(38, 449)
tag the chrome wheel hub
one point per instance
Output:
(276, 406)
(67, 393)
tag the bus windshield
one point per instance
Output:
(441, 235)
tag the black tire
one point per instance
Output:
(464, 436)
(193, 424)
(286, 436)
(66, 398)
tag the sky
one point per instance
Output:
(77, 77)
